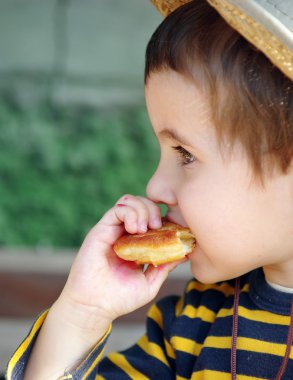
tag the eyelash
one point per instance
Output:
(184, 156)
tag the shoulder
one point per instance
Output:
(197, 298)
(210, 296)
(196, 292)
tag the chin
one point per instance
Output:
(207, 275)
(200, 275)
(205, 271)
(206, 280)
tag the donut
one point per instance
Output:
(169, 243)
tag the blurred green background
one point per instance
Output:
(74, 132)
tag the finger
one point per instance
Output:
(127, 215)
(155, 217)
(156, 276)
(141, 209)
(118, 215)
(128, 210)
(115, 217)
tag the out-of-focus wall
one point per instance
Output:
(71, 51)
(73, 138)
(55, 55)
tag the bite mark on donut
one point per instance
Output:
(169, 243)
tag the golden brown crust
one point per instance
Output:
(169, 243)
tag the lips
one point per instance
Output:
(169, 218)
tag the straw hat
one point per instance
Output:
(267, 24)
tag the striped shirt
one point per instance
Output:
(189, 337)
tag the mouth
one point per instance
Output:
(169, 218)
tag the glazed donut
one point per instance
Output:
(169, 243)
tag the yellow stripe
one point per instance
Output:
(245, 288)
(186, 345)
(178, 307)
(23, 347)
(201, 312)
(225, 288)
(169, 349)
(248, 344)
(212, 375)
(152, 349)
(207, 315)
(257, 315)
(97, 359)
(99, 377)
(121, 362)
(155, 314)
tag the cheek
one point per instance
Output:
(205, 212)
(217, 217)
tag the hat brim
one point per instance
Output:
(267, 25)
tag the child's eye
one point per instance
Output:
(185, 157)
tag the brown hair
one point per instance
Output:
(251, 100)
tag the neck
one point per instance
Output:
(280, 274)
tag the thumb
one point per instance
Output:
(156, 276)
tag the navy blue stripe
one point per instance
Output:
(194, 329)
(148, 365)
(110, 371)
(154, 332)
(167, 307)
(219, 360)
(212, 299)
(156, 336)
(185, 363)
(246, 301)
(251, 329)
(266, 297)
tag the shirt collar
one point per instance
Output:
(266, 297)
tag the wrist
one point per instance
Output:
(87, 322)
(64, 341)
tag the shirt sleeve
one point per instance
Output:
(152, 357)
(17, 363)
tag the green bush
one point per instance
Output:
(61, 169)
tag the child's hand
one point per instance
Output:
(101, 287)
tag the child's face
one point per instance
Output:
(238, 224)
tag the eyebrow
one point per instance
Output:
(173, 135)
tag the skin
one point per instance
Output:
(238, 224)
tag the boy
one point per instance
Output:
(222, 113)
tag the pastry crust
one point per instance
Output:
(169, 243)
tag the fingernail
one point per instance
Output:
(157, 223)
(120, 205)
(142, 227)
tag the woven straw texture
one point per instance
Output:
(278, 52)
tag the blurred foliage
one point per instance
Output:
(62, 168)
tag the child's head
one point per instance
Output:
(204, 85)
(250, 98)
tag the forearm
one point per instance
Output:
(100, 288)
(65, 339)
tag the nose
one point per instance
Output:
(159, 188)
